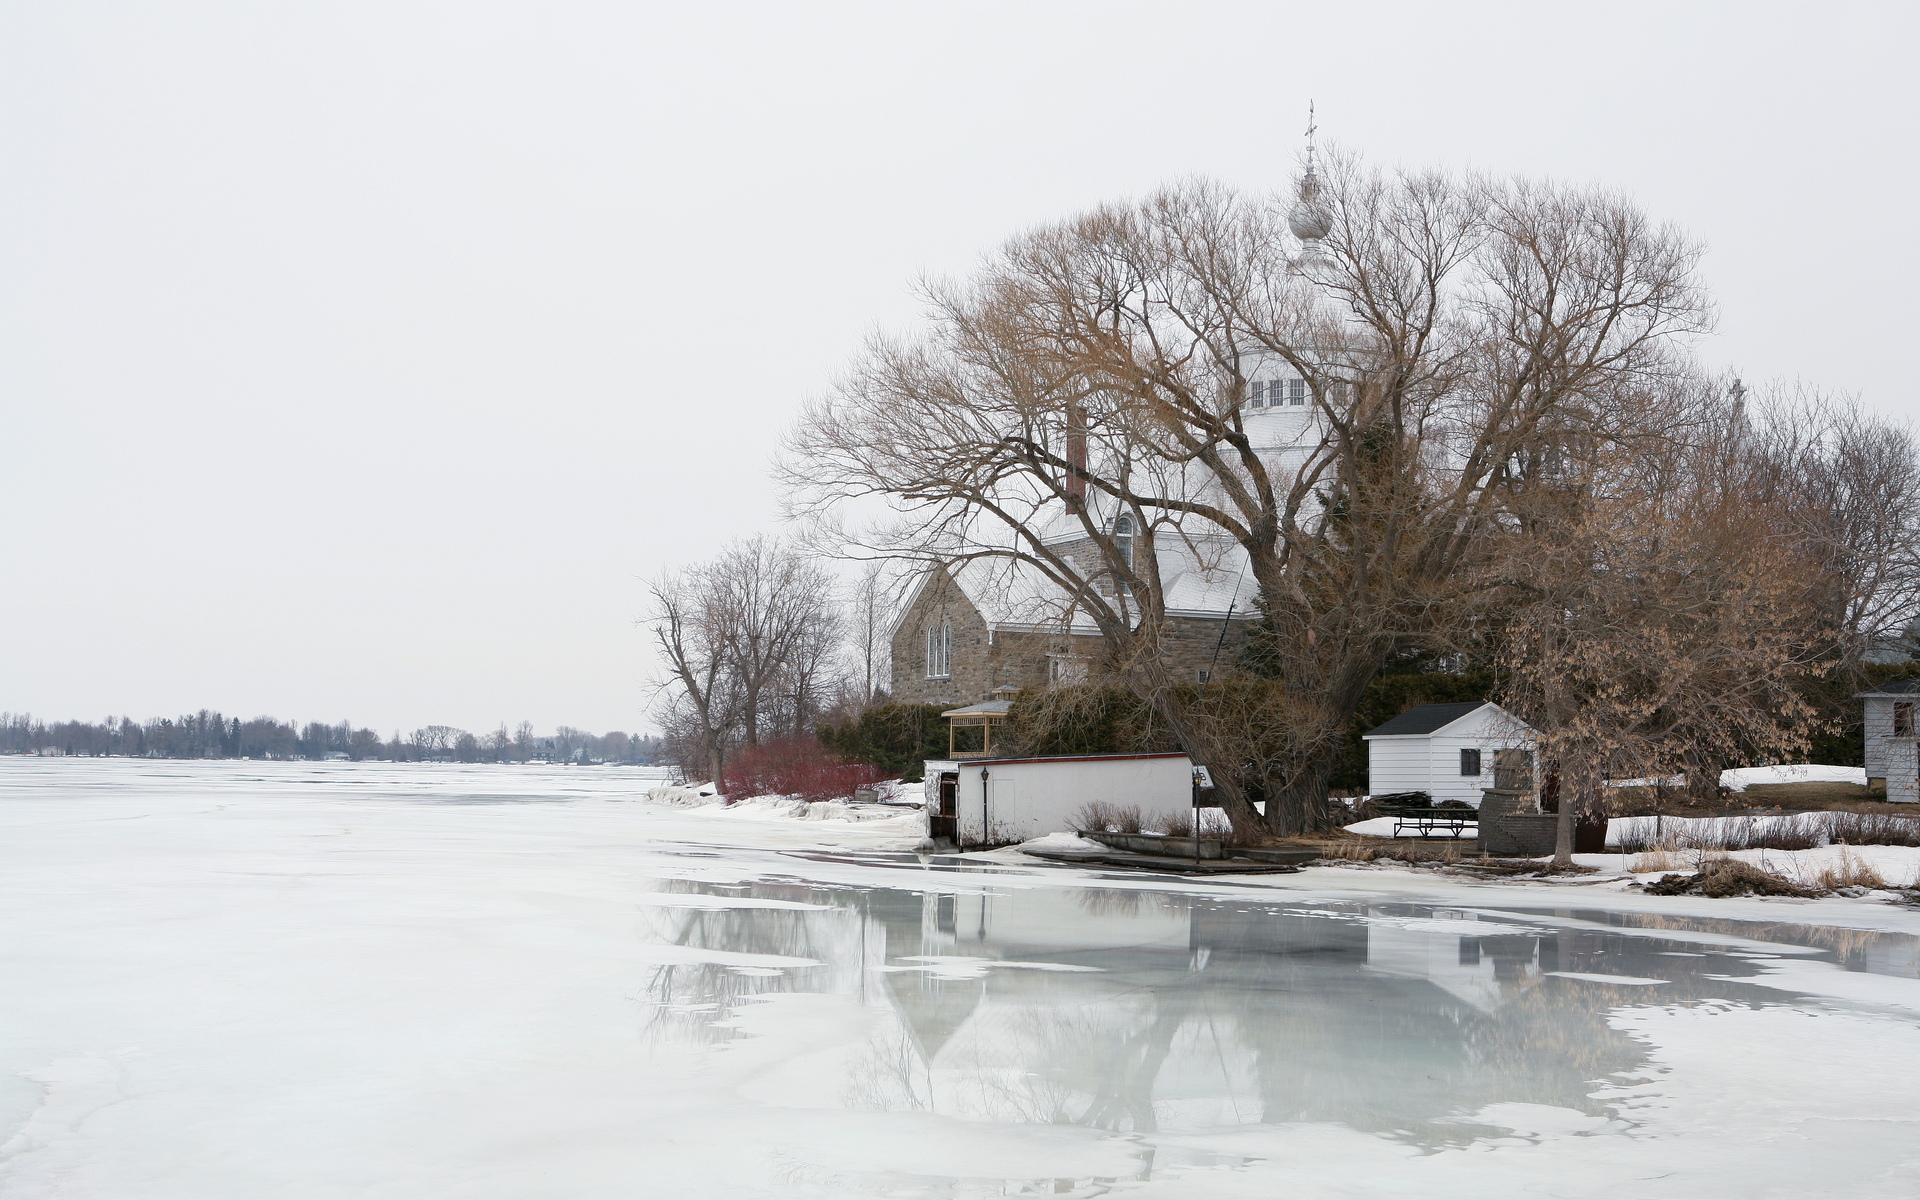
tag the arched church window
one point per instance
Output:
(940, 650)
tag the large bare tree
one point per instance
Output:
(1454, 334)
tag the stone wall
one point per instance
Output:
(968, 679)
(1510, 825)
(982, 660)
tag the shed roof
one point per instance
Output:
(1425, 718)
(1068, 758)
(1899, 687)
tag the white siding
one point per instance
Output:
(1002, 802)
(1448, 782)
(1397, 764)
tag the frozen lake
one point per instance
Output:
(228, 980)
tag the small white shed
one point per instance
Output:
(1892, 728)
(1003, 801)
(1444, 750)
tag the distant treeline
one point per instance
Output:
(208, 734)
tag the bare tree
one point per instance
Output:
(1849, 483)
(1455, 337)
(1655, 615)
(436, 740)
(748, 641)
(870, 612)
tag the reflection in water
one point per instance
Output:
(1146, 1013)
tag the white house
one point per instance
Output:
(1892, 727)
(1444, 750)
(1002, 801)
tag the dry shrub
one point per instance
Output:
(1798, 831)
(1097, 816)
(1350, 851)
(1093, 817)
(1657, 858)
(795, 766)
(1850, 871)
(1873, 829)
(1177, 824)
(1724, 877)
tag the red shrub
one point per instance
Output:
(795, 766)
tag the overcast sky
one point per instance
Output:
(360, 360)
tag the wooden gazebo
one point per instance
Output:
(986, 716)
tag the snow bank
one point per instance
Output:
(701, 796)
(1739, 779)
(1062, 843)
(1899, 866)
(692, 795)
(789, 808)
(1742, 778)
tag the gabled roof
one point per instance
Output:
(1017, 596)
(1426, 718)
(1899, 687)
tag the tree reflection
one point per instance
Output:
(1399, 1020)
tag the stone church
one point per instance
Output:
(968, 630)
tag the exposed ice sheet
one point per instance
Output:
(232, 981)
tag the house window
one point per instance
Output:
(1469, 762)
(940, 650)
(1123, 538)
(1903, 718)
(1296, 391)
(1258, 394)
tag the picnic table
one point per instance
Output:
(1416, 810)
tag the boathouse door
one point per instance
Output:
(941, 821)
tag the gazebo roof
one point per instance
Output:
(989, 708)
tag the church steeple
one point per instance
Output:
(1309, 220)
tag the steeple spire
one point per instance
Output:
(1313, 127)
(1309, 220)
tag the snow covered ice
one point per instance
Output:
(233, 979)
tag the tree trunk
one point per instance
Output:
(1300, 806)
(1563, 834)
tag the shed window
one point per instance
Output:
(940, 650)
(1903, 718)
(1469, 762)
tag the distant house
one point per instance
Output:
(1893, 746)
(1445, 750)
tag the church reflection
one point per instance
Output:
(1143, 1012)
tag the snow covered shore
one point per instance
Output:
(230, 981)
